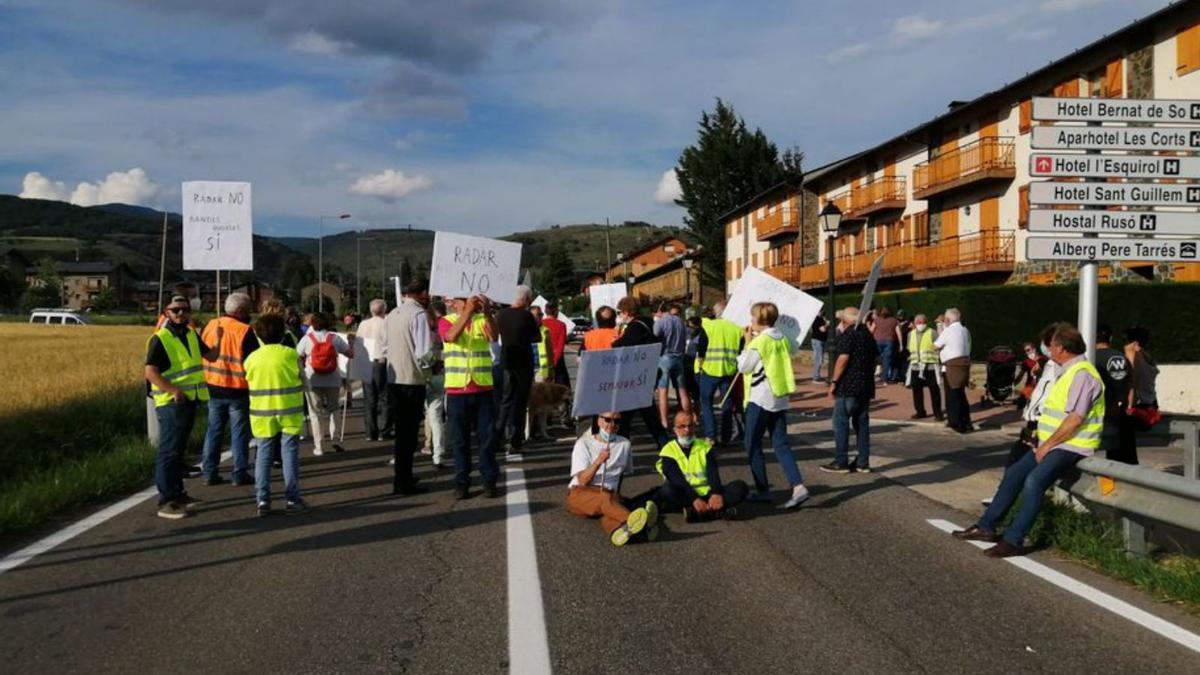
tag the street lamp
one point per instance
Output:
(831, 219)
(321, 258)
(687, 277)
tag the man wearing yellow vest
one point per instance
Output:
(176, 375)
(923, 373)
(228, 402)
(717, 349)
(766, 368)
(466, 334)
(691, 478)
(276, 393)
(1069, 429)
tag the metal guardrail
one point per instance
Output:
(1140, 494)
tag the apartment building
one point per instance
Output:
(947, 201)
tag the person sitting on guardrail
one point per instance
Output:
(598, 462)
(1069, 429)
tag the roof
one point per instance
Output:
(788, 183)
(652, 245)
(1084, 55)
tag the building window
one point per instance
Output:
(1187, 50)
(1026, 116)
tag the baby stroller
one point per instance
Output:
(1001, 371)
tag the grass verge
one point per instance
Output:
(1097, 542)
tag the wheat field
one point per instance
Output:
(49, 366)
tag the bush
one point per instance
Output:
(1010, 315)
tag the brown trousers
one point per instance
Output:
(592, 502)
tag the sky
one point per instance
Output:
(477, 116)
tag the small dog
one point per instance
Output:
(544, 398)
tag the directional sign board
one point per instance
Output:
(1063, 248)
(1063, 165)
(1059, 221)
(1115, 110)
(1116, 138)
(1113, 194)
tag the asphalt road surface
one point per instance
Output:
(857, 581)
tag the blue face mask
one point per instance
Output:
(606, 436)
(1045, 350)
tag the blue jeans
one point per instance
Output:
(854, 410)
(670, 372)
(175, 422)
(235, 411)
(464, 412)
(291, 467)
(758, 421)
(1030, 479)
(711, 387)
(818, 348)
(887, 359)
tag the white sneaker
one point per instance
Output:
(317, 452)
(799, 496)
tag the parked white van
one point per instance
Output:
(57, 317)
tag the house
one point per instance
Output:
(646, 258)
(676, 280)
(83, 282)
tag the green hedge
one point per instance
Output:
(1010, 315)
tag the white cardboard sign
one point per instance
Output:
(606, 295)
(616, 380)
(464, 266)
(217, 226)
(869, 289)
(359, 367)
(797, 309)
(540, 301)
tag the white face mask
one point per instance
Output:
(685, 441)
(920, 326)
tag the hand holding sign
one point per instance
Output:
(797, 309)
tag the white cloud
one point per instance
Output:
(668, 188)
(390, 184)
(915, 27)
(312, 42)
(848, 53)
(119, 187)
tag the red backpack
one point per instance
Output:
(323, 357)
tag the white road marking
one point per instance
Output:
(1095, 596)
(528, 647)
(77, 528)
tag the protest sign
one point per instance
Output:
(797, 309)
(540, 301)
(464, 266)
(359, 367)
(869, 289)
(605, 295)
(616, 380)
(217, 226)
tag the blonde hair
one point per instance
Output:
(274, 307)
(764, 313)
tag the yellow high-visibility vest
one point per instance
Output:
(694, 465)
(777, 365)
(276, 391)
(187, 368)
(1054, 411)
(925, 352)
(543, 356)
(468, 359)
(720, 358)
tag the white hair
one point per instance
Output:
(953, 315)
(718, 307)
(525, 292)
(237, 303)
(378, 307)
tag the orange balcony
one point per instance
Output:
(884, 194)
(785, 272)
(843, 200)
(781, 222)
(965, 254)
(991, 158)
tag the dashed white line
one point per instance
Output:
(1115, 605)
(528, 647)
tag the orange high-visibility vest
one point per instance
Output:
(599, 338)
(227, 371)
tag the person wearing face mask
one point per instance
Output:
(598, 463)
(923, 369)
(1068, 429)
(766, 368)
(691, 478)
(635, 330)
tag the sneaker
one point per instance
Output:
(620, 536)
(338, 448)
(264, 509)
(391, 462)
(863, 469)
(636, 522)
(490, 490)
(835, 467)
(277, 464)
(461, 492)
(986, 501)
(172, 511)
(187, 501)
(651, 512)
(317, 452)
(799, 496)
(729, 513)
(246, 479)
(215, 480)
(372, 439)
(296, 506)
(193, 471)
(760, 497)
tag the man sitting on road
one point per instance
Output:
(692, 479)
(1069, 429)
(597, 465)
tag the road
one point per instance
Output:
(855, 581)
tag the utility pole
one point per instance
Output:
(162, 264)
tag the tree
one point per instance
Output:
(106, 300)
(726, 166)
(46, 290)
(557, 278)
(297, 273)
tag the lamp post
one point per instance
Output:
(321, 258)
(687, 276)
(831, 219)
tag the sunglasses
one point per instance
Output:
(684, 426)
(610, 420)
(178, 310)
